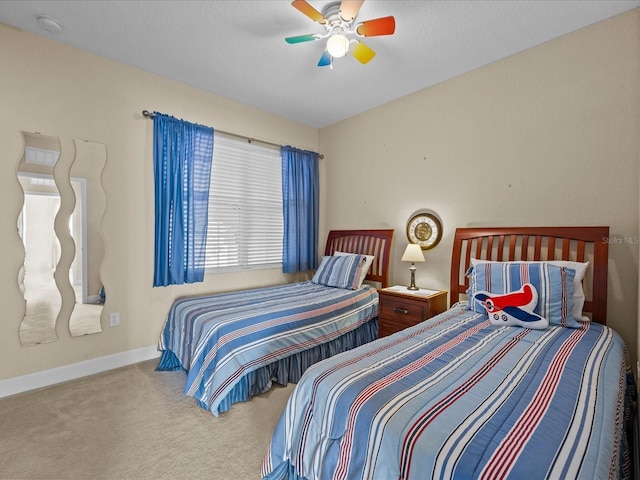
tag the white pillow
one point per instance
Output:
(365, 268)
(578, 292)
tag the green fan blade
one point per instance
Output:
(302, 38)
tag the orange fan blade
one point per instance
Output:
(379, 26)
(309, 11)
(363, 53)
(349, 9)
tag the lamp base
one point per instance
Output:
(412, 269)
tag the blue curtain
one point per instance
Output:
(182, 154)
(300, 199)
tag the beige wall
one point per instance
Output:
(50, 88)
(545, 137)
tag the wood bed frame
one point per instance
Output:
(365, 242)
(536, 244)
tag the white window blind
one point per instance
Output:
(41, 156)
(245, 227)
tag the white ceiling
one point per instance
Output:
(236, 48)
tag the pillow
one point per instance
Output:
(368, 260)
(554, 285)
(578, 291)
(513, 308)
(340, 272)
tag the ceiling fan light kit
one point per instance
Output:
(342, 34)
(338, 45)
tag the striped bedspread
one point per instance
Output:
(458, 398)
(220, 338)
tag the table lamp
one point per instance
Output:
(413, 253)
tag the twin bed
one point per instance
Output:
(462, 395)
(234, 345)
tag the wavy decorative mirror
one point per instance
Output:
(42, 248)
(85, 226)
(56, 289)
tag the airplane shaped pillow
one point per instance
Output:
(513, 308)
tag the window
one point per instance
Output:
(245, 227)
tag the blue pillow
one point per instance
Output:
(340, 271)
(554, 285)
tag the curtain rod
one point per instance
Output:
(148, 114)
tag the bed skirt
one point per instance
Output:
(283, 371)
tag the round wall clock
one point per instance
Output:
(424, 229)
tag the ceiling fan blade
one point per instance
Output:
(349, 9)
(325, 59)
(363, 53)
(302, 38)
(309, 11)
(379, 26)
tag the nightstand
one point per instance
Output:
(399, 308)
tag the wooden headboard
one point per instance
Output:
(536, 244)
(365, 242)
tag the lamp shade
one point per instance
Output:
(413, 253)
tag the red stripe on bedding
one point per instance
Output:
(267, 325)
(347, 439)
(320, 378)
(279, 320)
(513, 444)
(283, 352)
(524, 274)
(418, 428)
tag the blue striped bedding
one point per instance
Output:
(458, 398)
(223, 340)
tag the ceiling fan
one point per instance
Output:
(342, 33)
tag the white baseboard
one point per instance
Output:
(45, 378)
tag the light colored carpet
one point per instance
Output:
(133, 423)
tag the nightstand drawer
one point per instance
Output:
(401, 311)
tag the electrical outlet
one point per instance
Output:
(114, 319)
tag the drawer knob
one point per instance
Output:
(400, 310)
